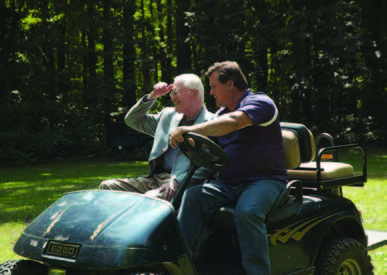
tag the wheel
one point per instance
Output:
(23, 267)
(204, 152)
(343, 256)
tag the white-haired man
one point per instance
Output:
(167, 166)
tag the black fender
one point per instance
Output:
(296, 246)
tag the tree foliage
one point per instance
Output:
(68, 67)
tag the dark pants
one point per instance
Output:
(252, 202)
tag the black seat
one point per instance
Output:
(287, 206)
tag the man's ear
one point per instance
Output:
(230, 84)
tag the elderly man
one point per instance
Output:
(247, 128)
(167, 166)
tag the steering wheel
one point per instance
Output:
(204, 152)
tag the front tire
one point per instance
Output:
(343, 256)
(23, 267)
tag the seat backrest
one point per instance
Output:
(298, 142)
(291, 149)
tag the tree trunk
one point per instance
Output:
(129, 52)
(183, 51)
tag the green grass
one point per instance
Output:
(371, 201)
(27, 191)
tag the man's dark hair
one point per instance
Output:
(229, 70)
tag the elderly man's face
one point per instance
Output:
(182, 98)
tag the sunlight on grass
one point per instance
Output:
(9, 233)
(371, 201)
(18, 184)
(27, 191)
(379, 260)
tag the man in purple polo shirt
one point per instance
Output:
(247, 128)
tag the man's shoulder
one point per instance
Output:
(260, 97)
(168, 111)
(257, 95)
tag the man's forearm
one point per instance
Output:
(223, 125)
(218, 127)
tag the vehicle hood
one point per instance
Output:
(103, 229)
(101, 217)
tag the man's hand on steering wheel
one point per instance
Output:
(201, 151)
(177, 136)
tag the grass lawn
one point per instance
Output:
(372, 202)
(27, 191)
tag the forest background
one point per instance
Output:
(70, 69)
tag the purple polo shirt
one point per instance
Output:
(255, 152)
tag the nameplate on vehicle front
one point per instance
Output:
(63, 250)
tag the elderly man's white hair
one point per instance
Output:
(191, 81)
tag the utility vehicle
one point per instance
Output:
(313, 228)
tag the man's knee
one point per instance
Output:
(194, 191)
(191, 195)
(248, 216)
(106, 185)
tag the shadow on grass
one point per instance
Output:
(26, 191)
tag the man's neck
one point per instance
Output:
(193, 115)
(237, 95)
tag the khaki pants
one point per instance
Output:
(139, 184)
